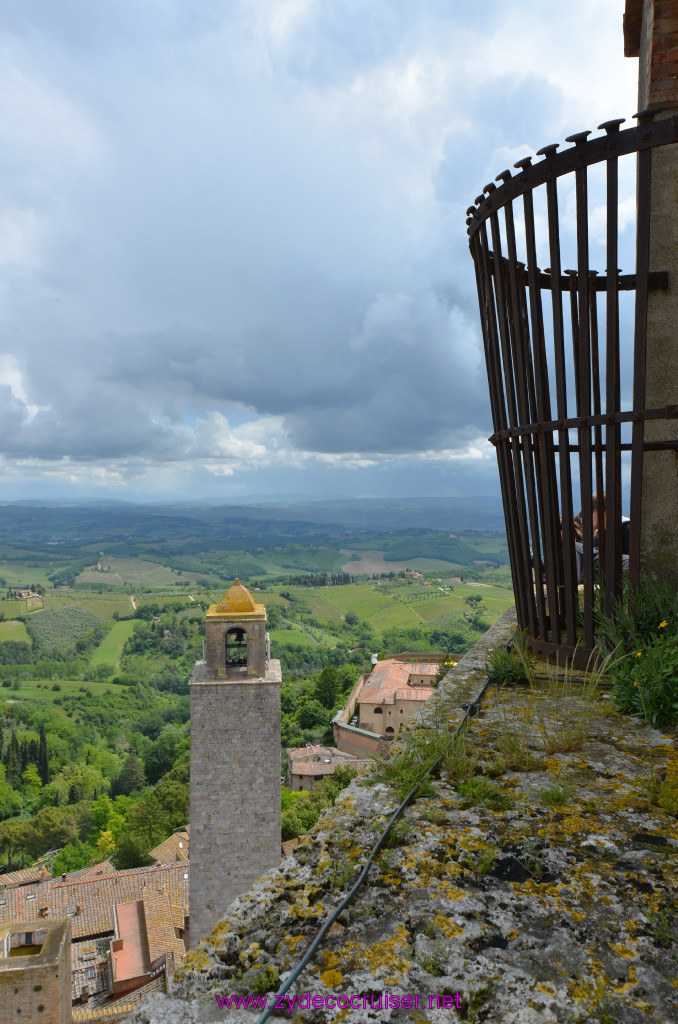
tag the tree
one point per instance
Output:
(147, 820)
(10, 801)
(14, 836)
(131, 778)
(131, 852)
(43, 759)
(72, 857)
(327, 687)
(31, 779)
(311, 713)
(162, 755)
(13, 758)
(51, 827)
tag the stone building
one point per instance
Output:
(383, 700)
(313, 763)
(235, 759)
(35, 972)
(393, 693)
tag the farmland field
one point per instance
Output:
(137, 572)
(43, 691)
(61, 627)
(12, 608)
(22, 574)
(109, 650)
(291, 636)
(13, 631)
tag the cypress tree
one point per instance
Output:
(13, 758)
(43, 760)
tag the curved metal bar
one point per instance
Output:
(644, 136)
(549, 381)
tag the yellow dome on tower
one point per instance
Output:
(237, 600)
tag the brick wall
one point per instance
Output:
(651, 33)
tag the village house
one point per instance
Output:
(392, 694)
(310, 764)
(383, 701)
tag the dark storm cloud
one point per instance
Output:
(218, 215)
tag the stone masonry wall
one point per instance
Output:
(36, 989)
(235, 793)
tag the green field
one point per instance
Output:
(43, 691)
(321, 604)
(22, 574)
(13, 631)
(109, 650)
(291, 636)
(137, 572)
(12, 608)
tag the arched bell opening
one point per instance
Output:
(236, 647)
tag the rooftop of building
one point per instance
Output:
(389, 681)
(317, 752)
(89, 901)
(316, 768)
(237, 602)
(172, 850)
(12, 879)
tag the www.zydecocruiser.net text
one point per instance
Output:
(306, 1001)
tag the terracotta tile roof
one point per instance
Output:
(322, 768)
(89, 902)
(160, 929)
(93, 871)
(173, 850)
(319, 754)
(307, 753)
(23, 877)
(388, 682)
(288, 846)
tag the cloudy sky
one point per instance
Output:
(233, 254)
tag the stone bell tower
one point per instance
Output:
(235, 759)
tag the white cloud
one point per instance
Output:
(232, 237)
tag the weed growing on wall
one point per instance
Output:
(507, 666)
(644, 668)
(646, 680)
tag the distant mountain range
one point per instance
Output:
(35, 520)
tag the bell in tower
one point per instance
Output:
(235, 644)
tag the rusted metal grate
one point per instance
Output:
(567, 373)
